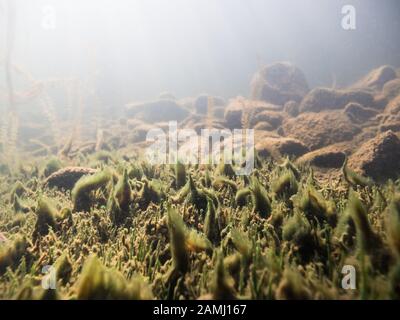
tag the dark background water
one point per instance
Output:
(137, 49)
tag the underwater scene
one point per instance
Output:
(199, 150)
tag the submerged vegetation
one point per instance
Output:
(130, 230)
(115, 226)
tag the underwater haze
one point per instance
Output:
(141, 48)
(187, 149)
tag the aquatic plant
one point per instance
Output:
(85, 185)
(222, 285)
(297, 231)
(63, 268)
(354, 179)
(285, 185)
(393, 225)
(366, 237)
(210, 228)
(100, 283)
(180, 175)
(47, 215)
(292, 287)
(196, 196)
(53, 165)
(12, 253)
(260, 199)
(179, 253)
(253, 240)
(241, 196)
(225, 169)
(123, 191)
(148, 194)
(314, 206)
(19, 206)
(221, 182)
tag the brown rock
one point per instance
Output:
(280, 146)
(328, 157)
(292, 108)
(67, 177)
(377, 78)
(379, 157)
(156, 111)
(263, 125)
(393, 106)
(279, 83)
(358, 113)
(320, 99)
(239, 111)
(318, 130)
(201, 103)
(274, 118)
(391, 89)
(198, 123)
(390, 122)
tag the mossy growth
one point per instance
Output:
(242, 197)
(225, 169)
(17, 189)
(85, 185)
(221, 285)
(354, 179)
(136, 172)
(289, 165)
(196, 241)
(298, 232)
(393, 225)
(366, 237)
(12, 253)
(314, 206)
(97, 282)
(242, 243)
(149, 193)
(179, 175)
(63, 267)
(196, 197)
(47, 216)
(285, 185)
(19, 206)
(53, 165)
(260, 198)
(123, 192)
(211, 229)
(103, 156)
(394, 286)
(221, 182)
(179, 252)
(292, 287)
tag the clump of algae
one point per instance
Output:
(100, 283)
(12, 253)
(47, 216)
(120, 199)
(222, 284)
(292, 287)
(85, 185)
(274, 241)
(260, 199)
(196, 196)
